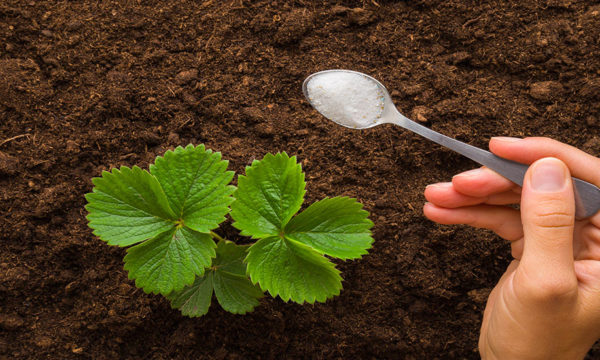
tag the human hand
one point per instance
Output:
(547, 303)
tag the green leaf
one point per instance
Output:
(234, 291)
(336, 227)
(194, 300)
(230, 257)
(292, 270)
(128, 206)
(195, 182)
(268, 196)
(169, 261)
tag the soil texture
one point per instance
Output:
(90, 85)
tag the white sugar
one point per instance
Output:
(347, 98)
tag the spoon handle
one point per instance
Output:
(587, 196)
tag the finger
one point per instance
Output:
(445, 195)
(588, 273)
(516, 249)
(504, 221)
(595, 219)
(581, 165)
(483, 182)
(506, 198)
(588, 248)
(548, 217)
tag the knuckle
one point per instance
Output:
(551, 289)
(553, 217)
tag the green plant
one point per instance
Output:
(166, 216)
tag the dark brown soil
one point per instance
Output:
(89, 85)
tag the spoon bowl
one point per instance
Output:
(336, 102)
(387, 100)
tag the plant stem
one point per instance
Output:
(216, 236)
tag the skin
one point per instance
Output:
(547, 303)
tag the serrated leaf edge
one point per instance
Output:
(274, 294)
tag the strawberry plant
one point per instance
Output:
(166, 217)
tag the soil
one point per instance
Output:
(89, 85)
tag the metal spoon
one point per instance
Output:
(587, 196)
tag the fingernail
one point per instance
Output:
(443, 185)
(470, 173)
(548, 175)
(506, 139)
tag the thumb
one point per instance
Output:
(548, 216)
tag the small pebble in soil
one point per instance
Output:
(421, 113)
(348, 98)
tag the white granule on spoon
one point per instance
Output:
(347, 98)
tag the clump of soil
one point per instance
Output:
(88, 85)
